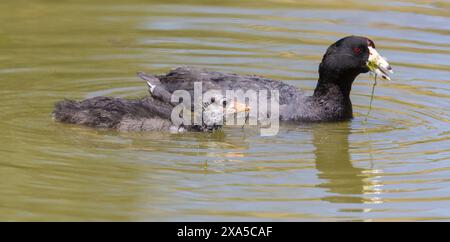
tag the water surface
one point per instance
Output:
(393, 166)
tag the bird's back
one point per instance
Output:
(183, 78)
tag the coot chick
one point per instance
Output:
(151, 113)
(341, 64)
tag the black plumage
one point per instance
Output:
(341, 64)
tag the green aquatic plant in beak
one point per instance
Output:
(380, 67)
(378, 64)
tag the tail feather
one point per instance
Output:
(152, 81)
(156, 88)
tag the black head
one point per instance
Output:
(346, 59)
(348, 55)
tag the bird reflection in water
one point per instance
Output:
(345, 182)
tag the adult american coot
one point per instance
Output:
(341, 64)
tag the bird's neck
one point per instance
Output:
(334, 85)
(334, 77)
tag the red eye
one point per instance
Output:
(357, 50)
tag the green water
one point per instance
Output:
(394, 166)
